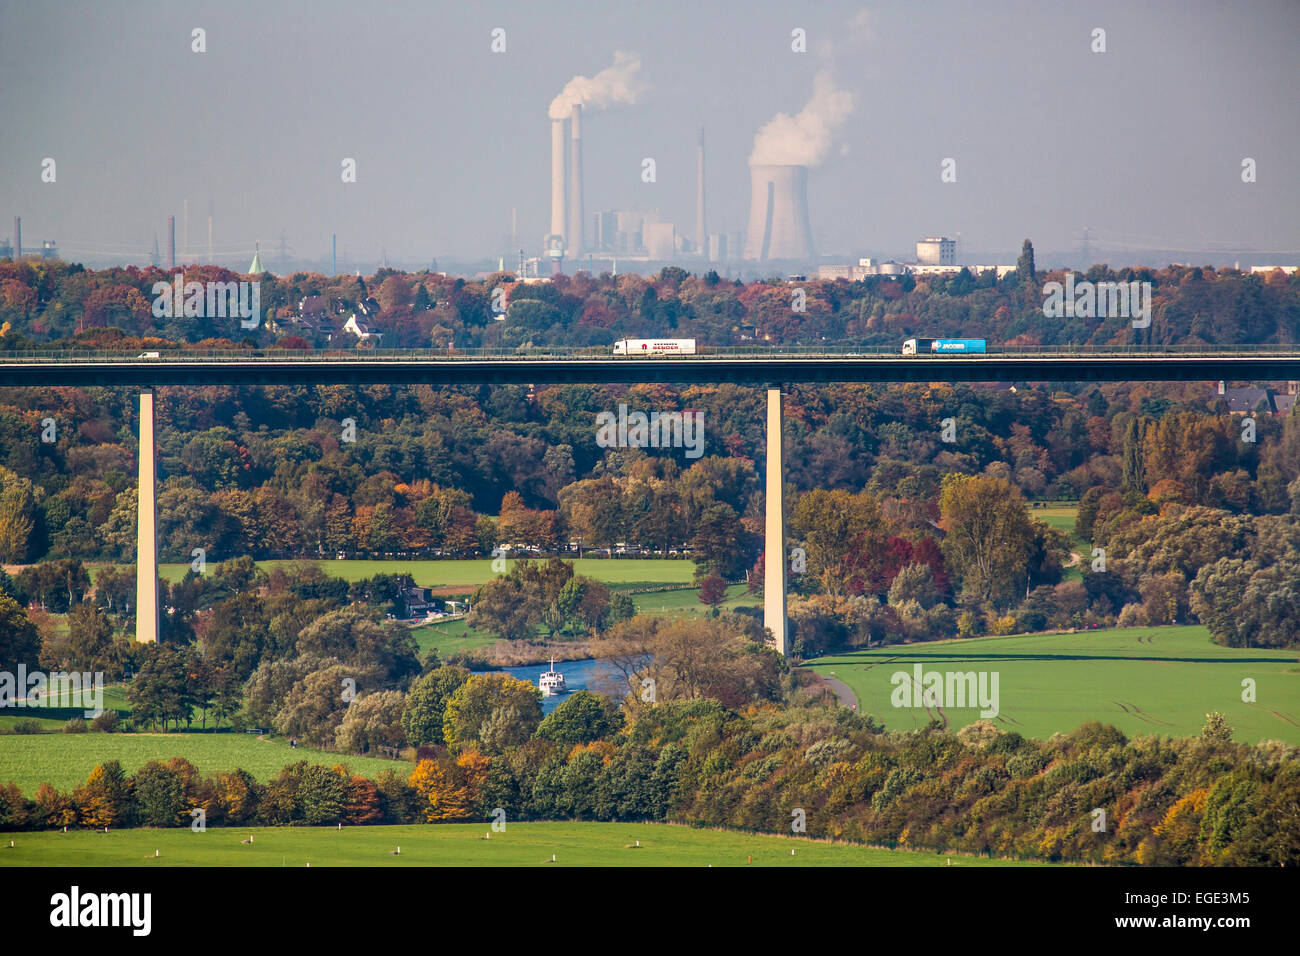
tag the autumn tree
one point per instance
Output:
(315, 707)
(104, 800)
(87, 645)
(988, 536)
(492, 711)
(158, 693)
(724, 658)
(448, 788)
(713, 591)
(159, 794)
(426, 704)
(19, 641)
(838, 528)
(581, 718)
(17, 512)
(373, 721)
(356, 636)
(719, 544)
(593, 511)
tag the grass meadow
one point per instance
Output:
(65, 760)
(1143, 680)
(458, 844)
(469, 573)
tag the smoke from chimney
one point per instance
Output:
(617, 85)
(805, 138)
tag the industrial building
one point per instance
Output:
(610, 234)
(888, 267)
(936, 251)
(864, 268)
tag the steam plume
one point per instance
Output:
(804, 139)
(617, 85)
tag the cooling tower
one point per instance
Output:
(575, 233)
(778, 213)
(558, 206)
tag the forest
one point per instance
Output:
(895, 534)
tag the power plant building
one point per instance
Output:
(936, 251)
(660, 240)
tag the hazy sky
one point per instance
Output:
(1142, 143)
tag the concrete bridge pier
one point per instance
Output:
(146, 540)
(774, 580)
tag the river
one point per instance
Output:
(578, 675)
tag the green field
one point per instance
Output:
(1060, 517)
(453, 637)
(687, 601)
(53, 718)
(469, 573)
(65, 760)
(456, 844)
(1143, 680)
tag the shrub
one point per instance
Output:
(1132, 616)
(75, 726)
(107, 722)
(1001, 625)
(968, 625)
(28, 726)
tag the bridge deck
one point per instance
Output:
(742, 366)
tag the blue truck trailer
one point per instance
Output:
(942, 346)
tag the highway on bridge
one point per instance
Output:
(746, 366)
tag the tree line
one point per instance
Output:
(60, 303)
(1168, 802)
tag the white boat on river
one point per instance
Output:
(551, 683)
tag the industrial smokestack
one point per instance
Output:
(616, 85)
(576, 232)
(701, 237)
(778, 214)
(18, 238)
(171, 242)
(558, 208)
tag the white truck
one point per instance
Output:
(654, 347)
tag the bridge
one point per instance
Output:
(758, 366)
(747, 366)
